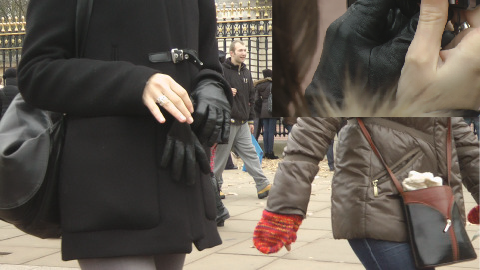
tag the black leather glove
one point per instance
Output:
(212, 112)
(181, 153)
(365, 47)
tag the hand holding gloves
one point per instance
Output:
(182, 152)
(273, 231)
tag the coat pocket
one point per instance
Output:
(108, 178)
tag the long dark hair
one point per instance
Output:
(295, 31)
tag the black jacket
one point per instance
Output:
(239, 77)
(9, 92)
(262, 91)
(115, 199)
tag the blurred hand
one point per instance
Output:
(234, 91)
(435, 79)
(365, 47)
(473, 215)
(178, 102)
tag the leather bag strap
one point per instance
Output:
(394, 178)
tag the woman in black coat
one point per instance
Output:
(121, 194)
(263, 89)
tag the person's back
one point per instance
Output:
(365, 202)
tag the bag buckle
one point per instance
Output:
(177, 55)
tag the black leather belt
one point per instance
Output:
(238, 122)
(176, 55)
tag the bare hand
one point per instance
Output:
(251, 128)
(234, 91)
(448, 79)
(177, 101)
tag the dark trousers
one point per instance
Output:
(268, 133)
(330, 157)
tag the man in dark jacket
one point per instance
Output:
(9, 91)
(240, 79)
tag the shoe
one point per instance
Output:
(332, 169)
(231, 168)
(222, 195)
(224, 215)
(271, 156)
(264, 192)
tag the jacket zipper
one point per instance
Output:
(453, 238)
(375, 188)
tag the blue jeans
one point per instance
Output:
(383, 255)
(474, 120)
(330, 158)
(268, 133)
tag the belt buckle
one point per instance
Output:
(177, 55)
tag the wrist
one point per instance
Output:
(282, 218)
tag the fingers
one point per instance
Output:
(218, 122)
(427, 41)
(200, 115)
(209, 126)
(225, 128)
(288, 247)
(177, 101)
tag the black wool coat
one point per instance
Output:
(262, 91)
(115, 199)
(8, 93)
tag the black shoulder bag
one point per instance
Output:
(30, 146)
(435, 228)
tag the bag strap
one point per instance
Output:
(82, 20)
(394, 178)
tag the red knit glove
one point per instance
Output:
(275, 230)
(473, 215)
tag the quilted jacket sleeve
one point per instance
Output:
(468, 155)
(307, 145)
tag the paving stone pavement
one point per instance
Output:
(315, 247)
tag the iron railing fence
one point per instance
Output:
(253, 25)
(12, 34)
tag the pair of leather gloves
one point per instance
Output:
(185, 144)
(365, 48)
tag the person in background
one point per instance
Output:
(263, 89)
(141, 114)
(474, 121)
(10, 90)
(366, 206)
(240, 140)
